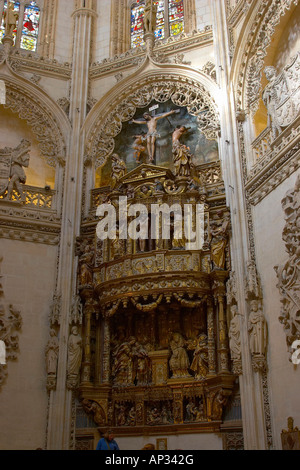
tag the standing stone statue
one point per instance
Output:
(52, 349)
(74, 357)
(19, 158)
(150, 17)
(10, 20)
(234, 335)
(257, 328)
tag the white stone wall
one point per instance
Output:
(270, 250)
(28, 272)
(64, 31)
(203, 13)
(102, 30)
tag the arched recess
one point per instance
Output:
(46, 120)
(195, 92)
(161, 82)
(262, 20)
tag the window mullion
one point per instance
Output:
(167, 23)
(20, 25)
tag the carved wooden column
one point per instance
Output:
(223, 342)
(106, 351)
(86, 366)
(211, 338)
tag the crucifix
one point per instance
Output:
(151, 122)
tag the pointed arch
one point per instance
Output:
(184, 86)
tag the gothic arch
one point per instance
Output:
(185, 87)
(252, 48)
(47, 121)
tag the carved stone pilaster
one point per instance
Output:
(289, 274)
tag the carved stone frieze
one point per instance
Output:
(289, 274)
(43, 124)
(10, 326)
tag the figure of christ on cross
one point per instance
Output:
(151, 122)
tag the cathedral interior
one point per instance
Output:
(139, 116)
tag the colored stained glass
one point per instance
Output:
(137, 25)
(176, 20)
(176, 17)
(160, 20)
(2, 28)
(30, 28)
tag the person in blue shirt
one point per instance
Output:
(108, 442)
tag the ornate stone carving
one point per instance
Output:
(10, 325)
(220, 232)
(13, 175)
(282, 96)
(43, 123)
(179, 362)
(267, 17)
(258, 333)
(96, 410)
(10, 20)
(52, 350)
(235, 341)
(192, 96)
(289, 274)
(290, 437)
(74, 358)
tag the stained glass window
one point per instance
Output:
(169, 21)
(30, 28)
(176, 17)
(137, 24)
(26, 33)
(2, 28)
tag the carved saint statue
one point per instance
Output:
(181, 153)
(220, 235)
(138, 146)
(234, 335)
(151, 122)
(74, 357)
(19, 158)
(150, 17)
(118, 169)
(257, 327)
(123, 362)
(52, 354)
(86, 262)
(10, 20)
(200, 360)
(179, 362)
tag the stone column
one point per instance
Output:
(251, 393)
(59, 436)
